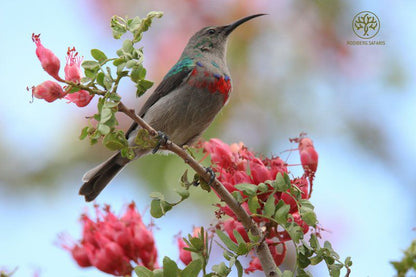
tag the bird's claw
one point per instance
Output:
(212, 175)
(211, 172)
(163, 139)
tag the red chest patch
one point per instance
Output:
(219, 83)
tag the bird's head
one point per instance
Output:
(213, 39)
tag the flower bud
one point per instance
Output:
(49, 91)
(47, 58)
(308, 155)
(81, 98)
(80, 256)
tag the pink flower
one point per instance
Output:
(49, 91)
(308, 155)
(81, 98)
(185, 255)
(309, 159)
(230, 225)
(112, 243)
(47, 58)
(278, 257)
(72, 68)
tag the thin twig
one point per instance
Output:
(262, 250)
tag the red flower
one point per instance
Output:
(185, 255)
(230, 225)
(278, 257)
(308, 155)
(111, 243)
(47, 58)
(309, 159)
(72, 68)
(81, 98)
(235, 164)
(49, 91)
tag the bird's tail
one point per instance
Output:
(96, 179)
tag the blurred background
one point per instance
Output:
(292, 72)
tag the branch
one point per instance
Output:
(262, 250)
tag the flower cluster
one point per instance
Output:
(50, 90)
(235, 164)
(111, 243)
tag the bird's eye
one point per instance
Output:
(211, 31)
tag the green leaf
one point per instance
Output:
(106, 114)
(170, 268)
(91, 65)
(287, 273)
(84, 133)
(269, 206)
(308, 215)
(158, 272)
(221, 269)
(91, 73)
(118, 25)
(128, 153)
(134, 23)
(239, 268)
(143, 86)
(100, 79)
(144, 140)
(242, 249)
(237, 195)
(295, 232)
(226, 240)
(159, 207)
(238, 237)
(313, 241)
(348, 262)
(248, 189)
(282, 212)
(107, 82)
(252, 237)
(127, 46)
(115, 141)
(280, 183)
(103, 129)
(138, 73)
(197, 243)
(192, 269)
(303, 261)
(335, 270)
(253, 204)
(142, 271)
(316, 259)
(98, 55)
(262, 187)
(287, 179)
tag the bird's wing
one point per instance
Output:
(175, 78)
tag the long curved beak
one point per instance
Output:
(229, 28)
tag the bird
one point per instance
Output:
(183, 105)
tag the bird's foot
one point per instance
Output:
(211, 172)
(212, 175)
(163, 139)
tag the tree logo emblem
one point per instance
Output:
(366, 25)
